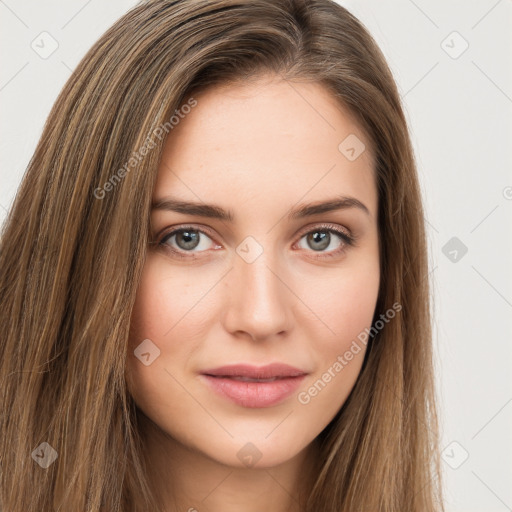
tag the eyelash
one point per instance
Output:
(348, 240)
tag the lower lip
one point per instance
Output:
(255, 394)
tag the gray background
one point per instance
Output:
(459, 102)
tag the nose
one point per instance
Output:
(259, 301)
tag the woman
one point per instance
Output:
(214, 275)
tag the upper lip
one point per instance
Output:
(255, 372)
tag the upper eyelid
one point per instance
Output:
(183, 227)
(327, 226)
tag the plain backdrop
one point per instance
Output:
(452, 62)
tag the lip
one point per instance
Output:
(254, 386)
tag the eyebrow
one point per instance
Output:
(216, 212)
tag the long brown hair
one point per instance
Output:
(74, 243)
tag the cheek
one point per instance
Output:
(172, 311)
(352, 306)
(154, 312)
(343, 303)
(345, 306)
(165, 300)
(156, 317)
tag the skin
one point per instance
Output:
(257, 149)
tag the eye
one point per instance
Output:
(322, 238)
(186, 240)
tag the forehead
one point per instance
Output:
(269, 141)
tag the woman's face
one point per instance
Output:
(268, 282)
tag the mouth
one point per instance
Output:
(246, 379)
(254, 387)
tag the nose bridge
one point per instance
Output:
(259, 301)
